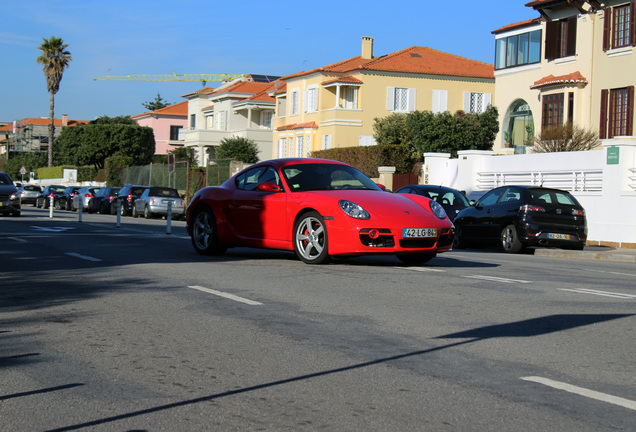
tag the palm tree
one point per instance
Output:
(55, 58)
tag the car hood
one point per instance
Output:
(8, 189)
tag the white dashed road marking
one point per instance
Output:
(84, 257)
(600, 293)
(497, 279)
(226, 295)
(604, 397)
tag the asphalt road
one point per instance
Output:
(126, 328)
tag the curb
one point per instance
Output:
(611, 256)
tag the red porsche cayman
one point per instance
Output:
(318, 208)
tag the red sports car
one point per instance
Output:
(318, 208)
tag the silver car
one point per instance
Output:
(154, 202)
(28, 193)
(84, 195)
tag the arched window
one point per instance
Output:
(518, 126)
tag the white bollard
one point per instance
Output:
(51, 199)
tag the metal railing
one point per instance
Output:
(576, 180)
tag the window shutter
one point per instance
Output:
(390, 98)
(630, 110)
(487, 100)
(412, 93)
(466, 102)
(632, 23)
(607, 29)
(551, 34)
(305, 102)
(571, 36)
(602, 130)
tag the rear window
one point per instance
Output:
(164, 192)
(138, 190)
(32, 188)
(542, 197)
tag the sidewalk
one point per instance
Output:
(591, 253)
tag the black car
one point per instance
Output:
(9, 197)
(101, 201)
(65, 201)
(43, 200)
(126, 197)
(451, 199)
(522, 216)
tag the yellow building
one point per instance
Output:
(335, 105)
(574, 63)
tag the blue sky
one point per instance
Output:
(116, 37)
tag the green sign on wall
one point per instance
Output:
(612, 155)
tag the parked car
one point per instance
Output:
(9, 197)
(127, 196)
(84, 196)
(28, 193)
(522, 216)
(154, 201)
(49, 191)
(317, 208)
(451, 199)
(65, 201)
(100, 203)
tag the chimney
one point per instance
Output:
(367, 48)
(64, 119)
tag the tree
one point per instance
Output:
(158, 103)
(55, 58)
(565, 137)
(391, 130)
(243, 149)
(185, 154)
(93, 143)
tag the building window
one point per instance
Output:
(193, 121)
(440, 101)
(552, 110)
(282, 148)
(617, 112)
(299, 146)
(517, 50)
(400, 99)
(366, 140)
(350, 97)
(326, 142)
(174, 132)
(266, 119)
(311, 99)
(560, 38)
(308, 146)
(619, 26)
(476, 103)
(294, 102)
(220, 120)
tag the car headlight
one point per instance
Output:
(354, 210)
(14, 196)
(437, 209)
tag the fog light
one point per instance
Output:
(374, 234)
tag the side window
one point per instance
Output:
(511, 195)
(491, 197)
(250, 180)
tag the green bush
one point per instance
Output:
(368, 159)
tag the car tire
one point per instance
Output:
(416, 258)
(122, 211)
(458, 240)
(510, 240)
(310, 239)
(147, 213)
(205, 237)
(15, 214)
(67, 207)
(58, 205)
(134, 212)
(113, 209)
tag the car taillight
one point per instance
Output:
(130, 198)
(51, 194)
(111, 197)
(152, 201)
(577, 212)
(88, 195)
(530, 207)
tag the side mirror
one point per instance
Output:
(473, 203)
(268, 187)
(381, 186)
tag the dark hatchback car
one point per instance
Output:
(65, 201)
(9, 197)
(523, 216)
(451, 199)
(127, 196)
(43, 200)
(101, 201)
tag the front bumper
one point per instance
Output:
(9, 206)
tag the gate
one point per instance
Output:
(400, 180)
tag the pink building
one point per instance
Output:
(166, 123)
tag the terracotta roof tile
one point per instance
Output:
(514, 26)
(344, 80)
(180, 110)
(298, 126)
(46, 121)
(573, 78)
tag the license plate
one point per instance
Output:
(559, 236)
(419, 232)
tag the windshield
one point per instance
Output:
(321, 176)
(5, 179)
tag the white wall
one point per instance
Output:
(606, 190)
